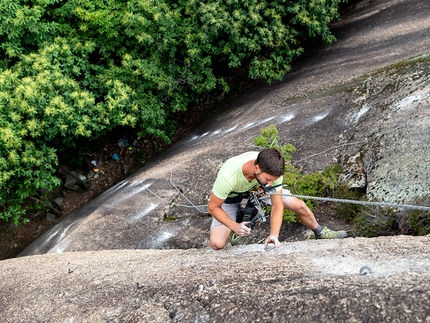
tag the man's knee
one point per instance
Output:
(217, 245)
(218, 237)
(296, 205)
(302, 207)
(217, 242)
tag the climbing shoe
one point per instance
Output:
(326, 233)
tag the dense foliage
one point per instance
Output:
(73, 69)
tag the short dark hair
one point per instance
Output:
(271, 162)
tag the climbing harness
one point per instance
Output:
(259, 215)
(253, 212)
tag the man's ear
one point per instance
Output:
(256, 169)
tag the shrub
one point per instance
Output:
(269, 138)
(348, 211)
(316, 184)
(419, 221)
(373, 221)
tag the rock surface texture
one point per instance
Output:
(363, 102)
(305, 281)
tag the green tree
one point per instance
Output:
(73, 69)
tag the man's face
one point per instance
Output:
(264, 178)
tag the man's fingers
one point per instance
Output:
(272, 239)
(244, 230)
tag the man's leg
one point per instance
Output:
(219, 236)
(219, 232)
(306, 217)
(302, 211)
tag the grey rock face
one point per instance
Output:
(393, 124)
(72, 181)
(305, 281)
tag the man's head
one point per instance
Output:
(271, 162)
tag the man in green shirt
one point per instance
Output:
(247, 172)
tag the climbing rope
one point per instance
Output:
(382, 204)
(203, 208)
(200, 208)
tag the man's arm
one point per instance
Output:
(214, 208)
(276, 217)
(276, 214)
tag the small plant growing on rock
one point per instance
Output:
(348, 211)
(377, 221)
(374, 221)
(269, 138)
(418, 222)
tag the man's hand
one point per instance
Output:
(272, 239)
(242, 230)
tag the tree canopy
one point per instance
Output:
(73, 69)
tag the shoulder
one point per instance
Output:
(234, 164)
(243, 158)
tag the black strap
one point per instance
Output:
(247, 213)
(244, 195)
(234, 199)
(270, 189)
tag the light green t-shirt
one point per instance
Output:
(231, 179)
